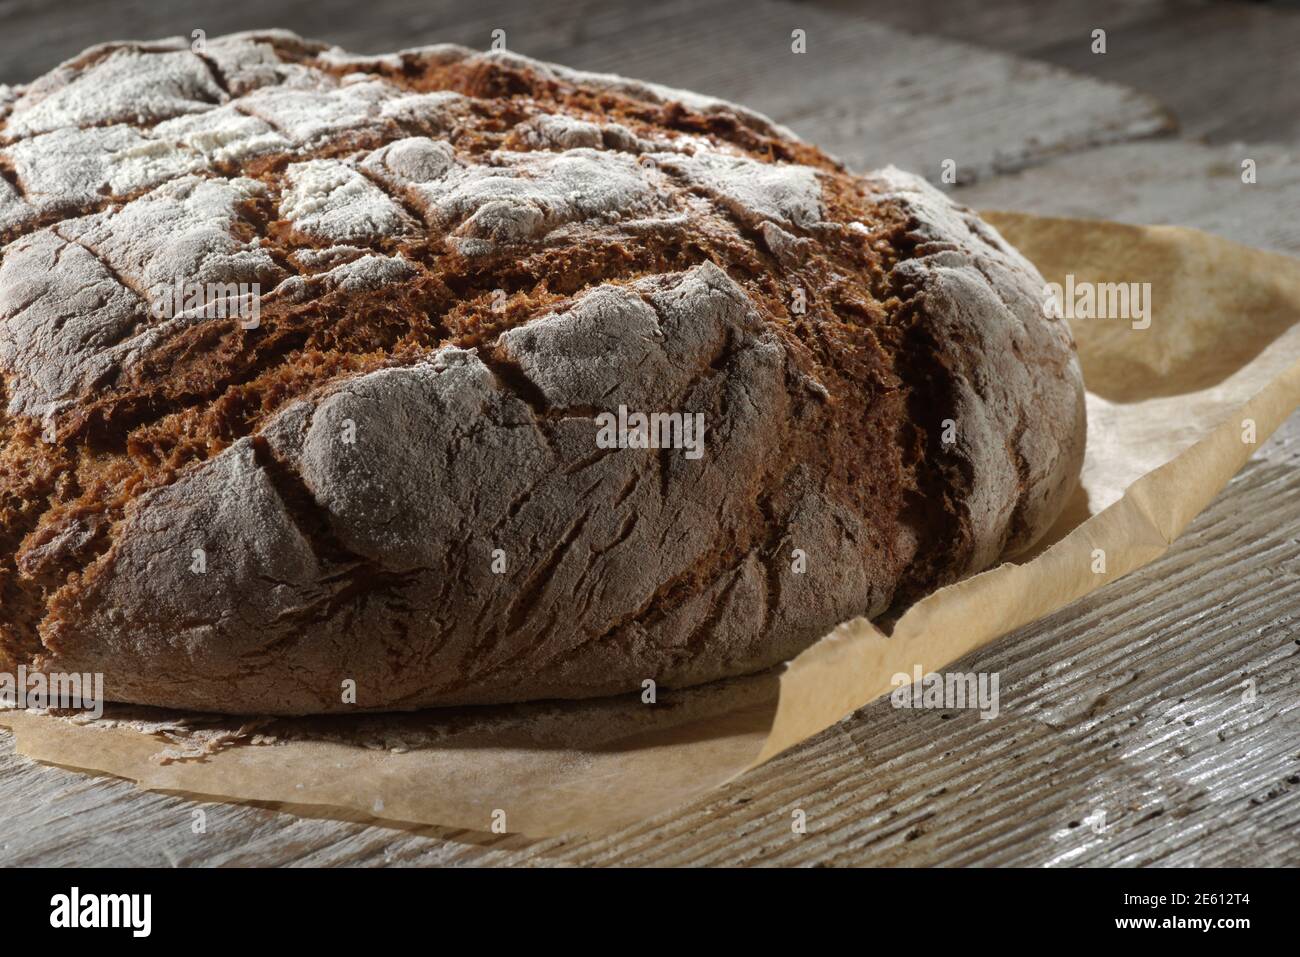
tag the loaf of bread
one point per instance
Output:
(444, 377)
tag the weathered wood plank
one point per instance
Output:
(1228, 71)
(1163, 181)
(1023, 27)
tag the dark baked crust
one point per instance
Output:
(464, 258)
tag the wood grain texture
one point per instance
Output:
(1229, 71)
(1163, 182)
(1128, 702)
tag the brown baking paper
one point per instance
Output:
(1169, 407)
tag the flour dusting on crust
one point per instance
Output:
(392, 479)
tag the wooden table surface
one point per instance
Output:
(1128, 707)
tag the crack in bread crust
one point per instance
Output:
(473, 256)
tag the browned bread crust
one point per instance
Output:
(463, 260)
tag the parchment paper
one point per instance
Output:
(1168, 409)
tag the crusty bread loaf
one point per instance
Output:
(390, 472)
